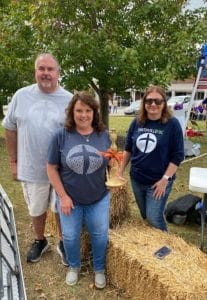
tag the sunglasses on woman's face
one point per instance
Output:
(149, 101)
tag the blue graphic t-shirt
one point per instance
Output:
(153, 146)
(82, 168)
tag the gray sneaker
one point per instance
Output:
(72, 276)
(100, 279)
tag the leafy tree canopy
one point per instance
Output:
(108, 45)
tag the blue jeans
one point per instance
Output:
(150, 208)
(96, 218)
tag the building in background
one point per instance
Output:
(185, 87)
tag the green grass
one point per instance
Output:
(46, 279)
(1, 130)
(120, 124)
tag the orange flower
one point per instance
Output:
(112, 154)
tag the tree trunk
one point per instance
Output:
(104, 107)
(1, 112)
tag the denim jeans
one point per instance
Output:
(150, 208)
(96, 218)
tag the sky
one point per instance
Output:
(196, 4)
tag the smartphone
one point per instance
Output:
(162, 252)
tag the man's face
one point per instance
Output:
(46, 74)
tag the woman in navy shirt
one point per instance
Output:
(155, 148)
(77, 171)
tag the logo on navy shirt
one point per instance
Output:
(84, 159)
(146, 142)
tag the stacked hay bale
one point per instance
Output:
(51, 225)
(119, 208)
(132, 266)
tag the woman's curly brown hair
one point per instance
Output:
(166, 112)
(89, 100)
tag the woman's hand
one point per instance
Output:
(159, 188)
(66, 204)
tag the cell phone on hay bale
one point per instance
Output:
(162, 252)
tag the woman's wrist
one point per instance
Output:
(167, 177)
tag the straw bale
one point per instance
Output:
(119, 208)
(132, 266)
(85, 245)
(51, 225)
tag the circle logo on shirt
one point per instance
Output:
(146, 142)
(84, 159)
(42, 119)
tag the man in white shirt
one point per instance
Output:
(34, 114)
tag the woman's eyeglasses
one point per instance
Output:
(149, 101)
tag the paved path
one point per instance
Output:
(120, 111)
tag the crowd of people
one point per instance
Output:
(55, 142)
(113, 106)
(199, 112)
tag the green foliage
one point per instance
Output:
(107, 45)
(17, 48)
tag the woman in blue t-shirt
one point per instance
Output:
(77, 171)
(155, 148)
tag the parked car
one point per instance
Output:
(132, 108)
(183, 100)
(124, 102)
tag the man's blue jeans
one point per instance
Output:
(150, 208)
(96, 218)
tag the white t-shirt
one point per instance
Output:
(35, 116)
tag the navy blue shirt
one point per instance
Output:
(153, 146)
(82, 168)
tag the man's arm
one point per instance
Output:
(11, 143)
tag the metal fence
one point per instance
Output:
(11, 276)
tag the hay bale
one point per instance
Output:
(85, 245)
(132, 266)
(51, 228)
(119, 208)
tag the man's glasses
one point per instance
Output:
(149, 101)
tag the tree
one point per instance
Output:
(17, 49)
(114, 45)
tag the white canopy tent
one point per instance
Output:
(202, 66)
(182, 115)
